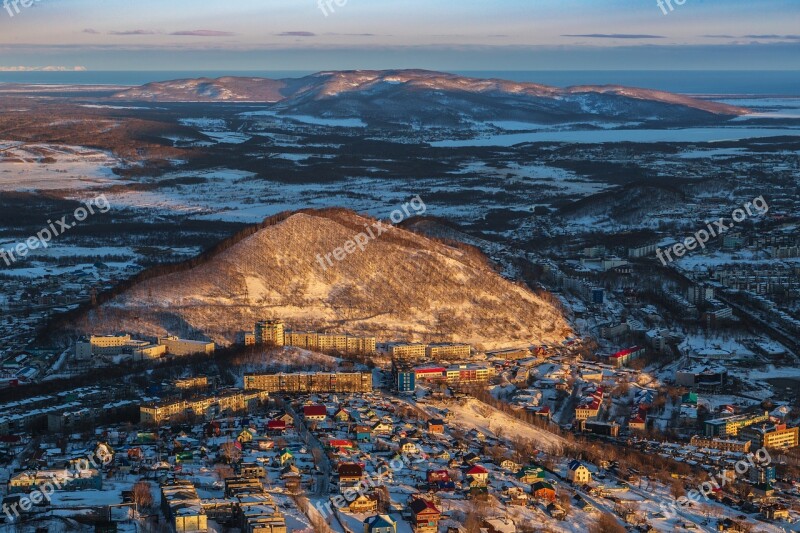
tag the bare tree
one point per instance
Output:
(607, 523)
(230, 452)
(142, 495)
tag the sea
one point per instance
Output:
(694, 82)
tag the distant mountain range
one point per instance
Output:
(401, 286)
(419, 97)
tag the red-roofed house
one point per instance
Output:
(478, 474)
(590, 404)
(276, 427)
(425, 516)
(341, 444)
(315, 412)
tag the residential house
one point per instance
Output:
(350, 474)
(425, 516)
(499, 525)
(478, 475)
(543, 490)
(436, 426)
(408, 446)
(264, 444)
(363, 433)
(383, 428)
(341, 445)
(510, 466)
(285, 457)
(439, 480)
(443, 455)
(777, 512)
(583, 504)
(578, 474)
(287, 419)
(247, 435)
(316, 413)
(517, 496)
(276, 427)
(252, 471)
(530, 474)
(364, 503)
(471, 458)
(380, 524)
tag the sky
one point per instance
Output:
(462, 35)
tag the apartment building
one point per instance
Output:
(231, 401)
(115, 345)
(404, 378)
(469, 373)
(726, 445)
(644, 250)
(731, 425)
(772, 436)
(623, 357)
(407, 351)
(176, 346)
(760, 279)
(448, 351)
(311, 340)
(196, 382)
(270, 332)
(301, 382)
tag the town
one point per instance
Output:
(347, 434)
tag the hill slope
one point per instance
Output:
(402, 286)
(435, 98)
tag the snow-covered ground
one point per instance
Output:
(30, 167)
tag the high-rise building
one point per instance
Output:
(270, 332)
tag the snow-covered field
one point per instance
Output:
(30, 167)
(477, 415)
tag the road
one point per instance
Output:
(323, 482)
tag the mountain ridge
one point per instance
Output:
(434, 98)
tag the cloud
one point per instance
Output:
(774, 37)
(616, 36)
(297, 34)
(134, 32)
(352, 34)
(204, 33)
(91, 31)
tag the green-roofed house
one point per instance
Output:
(543, 490)
(529, 474)
(381, 523)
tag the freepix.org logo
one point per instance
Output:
(54, 229)
(664, 4)
(13, 6)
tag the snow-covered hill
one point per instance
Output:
(401, 286)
